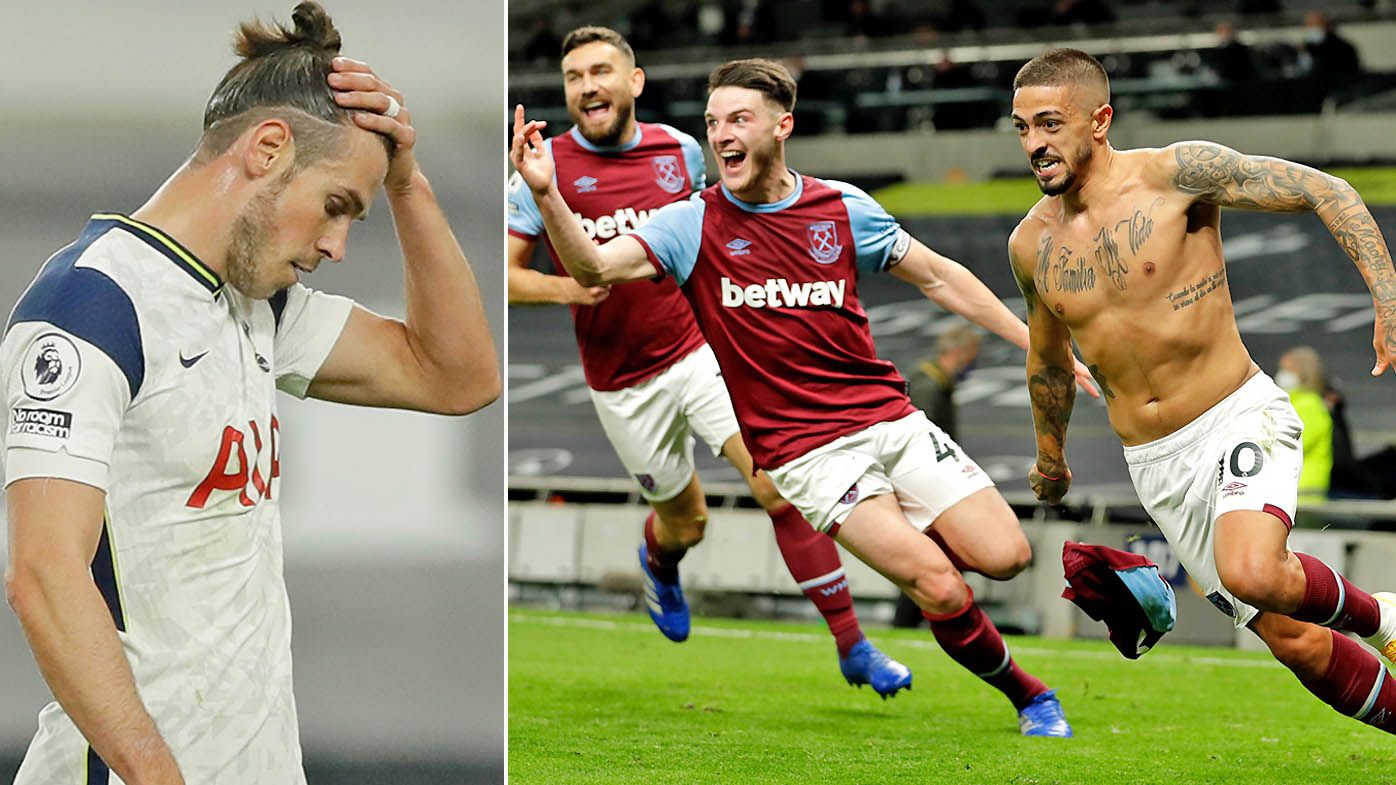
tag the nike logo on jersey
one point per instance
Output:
(780, 293)
(622, 221)
(188, 362)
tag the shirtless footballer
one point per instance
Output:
(1124, 256)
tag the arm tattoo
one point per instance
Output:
(1357, 234)
(1053, 391)
(1222, 176)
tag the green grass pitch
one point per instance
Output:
(607, 700)
(1013, 196)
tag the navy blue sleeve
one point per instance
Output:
(86, 303)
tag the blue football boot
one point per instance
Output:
(665, 603)
(1044, 717)
(866, 665)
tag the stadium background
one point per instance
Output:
(392, 520)
(910, 101)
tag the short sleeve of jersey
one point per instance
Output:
(880, 240)
(524, 219)
(672, 235)
(307, 325)
(68, 381)
(692, 157)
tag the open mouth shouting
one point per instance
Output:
(596, 111)
(731, 160)
(1047, 166)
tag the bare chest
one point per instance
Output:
(1141, 254)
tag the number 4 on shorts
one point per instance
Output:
(941, 452)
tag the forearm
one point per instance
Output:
(1052, 391)
(446, 326)
(75, 644)
(574, 249)
(962, 293)
(529, 287)
(1357, 233)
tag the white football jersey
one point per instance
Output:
(129, 366)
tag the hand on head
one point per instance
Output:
(381, 110)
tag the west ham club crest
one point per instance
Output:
(824, 244)
(667, 173)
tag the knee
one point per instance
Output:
(1011, 562)
(1253, 579)
(689, 530)
(938, 591)
(765, 494)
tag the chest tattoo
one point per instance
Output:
(1190, 294)
(1060, 269)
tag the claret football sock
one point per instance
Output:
(663, 563)
(1357, 684)
(814, 563)
(1332, 601)
(972, 640)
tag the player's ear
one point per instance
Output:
(1100, 120)
(785, 126)
(269, 148)
(637, 82)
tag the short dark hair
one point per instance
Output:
(1061, 68)
(757, 73)
(283, 74)
(590, 34)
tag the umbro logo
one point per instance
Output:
(188, 362)
(739, 247)
(585, 184)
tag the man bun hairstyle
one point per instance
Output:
(590, 34)
(282, 74)
(1064, 68)
(764, 76)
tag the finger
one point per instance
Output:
(377, 103)
(364, 83)
(403, 136)
(348, 64)
(518, 119)
(532, 133)
(1380, 367)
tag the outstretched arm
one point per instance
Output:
(622, 259)
(950, 285)
(1219, 175)
(1050, 388)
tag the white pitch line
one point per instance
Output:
(805, 637)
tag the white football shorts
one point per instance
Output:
(1244, 453)
(911, 457)
(652, 425)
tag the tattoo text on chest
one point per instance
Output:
(1190, 294)
(1062, 270)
